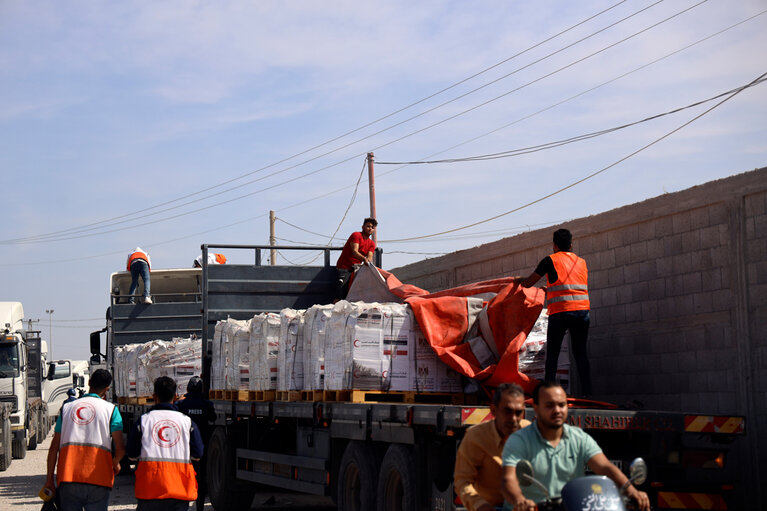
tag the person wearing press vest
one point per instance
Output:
(203, 413)
(567, 298)
(165, 442)
(82, 441)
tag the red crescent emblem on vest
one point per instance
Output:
(84, 414)
(166, 433)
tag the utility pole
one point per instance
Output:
(272, 239)
(50, 333)
(372, 189)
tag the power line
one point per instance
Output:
(578, 138)
(485, 103)
(332, 192)
(594, 174)
(83, 228)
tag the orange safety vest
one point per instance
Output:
(86, 442)
(220, 258)
(571, 290)
(165, 469)
(138, 255)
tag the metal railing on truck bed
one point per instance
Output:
(241, 291)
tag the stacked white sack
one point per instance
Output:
(264, 351)
(218, 362)
(338, 346)
(138, 365)
(290, 358)
(532, 355)
(316, 321)
(398, 344)
(234, 334)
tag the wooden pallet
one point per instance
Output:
(141, 400)
(326, 395)
(236, 395)
(262, 395)
(288, 395)
(379, 396)
(216, 394)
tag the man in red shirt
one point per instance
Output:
(359, 248)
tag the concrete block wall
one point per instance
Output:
(678, 289)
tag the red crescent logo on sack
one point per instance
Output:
(84, 414)
(356, 343)
(166, 433)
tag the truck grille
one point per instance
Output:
(12, 400)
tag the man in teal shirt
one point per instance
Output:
(557, 451)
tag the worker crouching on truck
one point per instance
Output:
(359, 248)
(165, 442)
(478, 469)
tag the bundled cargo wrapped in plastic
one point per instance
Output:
(532, 354)
(338, 346)
(218, 360)
(230, 367)
(316, 322)
(138, 365)
(264, 351)
(290, 358)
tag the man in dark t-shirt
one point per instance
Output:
(359, 248)
(567, 299)
(203, 413)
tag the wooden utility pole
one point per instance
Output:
(272, 239)
(372, 188)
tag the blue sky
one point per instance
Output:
(168, 125)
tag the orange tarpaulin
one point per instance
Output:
(477, 329)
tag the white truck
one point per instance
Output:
(32, 389)
(21, 383)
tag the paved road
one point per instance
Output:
(20, 484)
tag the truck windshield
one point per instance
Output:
(9, 360)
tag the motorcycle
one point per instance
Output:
(587, 493)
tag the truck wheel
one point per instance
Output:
(397, 480)
(357, 478)
(223, 489)
(19, 446)
(5, 449)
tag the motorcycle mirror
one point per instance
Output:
(524, 473)
(638, 472)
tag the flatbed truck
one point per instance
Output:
(377, 450)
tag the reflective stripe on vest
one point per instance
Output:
(86, 442)
(165, 470)
(570, 291)
(137, 255)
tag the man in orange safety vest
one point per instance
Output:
(82, 442)
(567, 298)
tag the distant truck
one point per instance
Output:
(21, 382)
(32, 389)
(387, 451)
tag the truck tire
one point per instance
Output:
(224, 491)
(5, 449)
(357, 478)
(32, 441)
(397, 480)
(19, 446)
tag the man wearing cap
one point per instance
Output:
(139, 265)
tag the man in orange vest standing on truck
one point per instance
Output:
(567, 298)
(359, 247)
(82, 442)
(139, 265)
(165, 442)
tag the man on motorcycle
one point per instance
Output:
(478, 468)
(558, 453)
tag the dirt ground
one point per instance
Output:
(20, 484)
